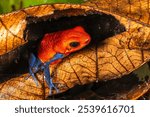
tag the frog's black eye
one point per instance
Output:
(74, 44)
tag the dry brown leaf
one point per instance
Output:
(111, 58)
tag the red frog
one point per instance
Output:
(54, 47)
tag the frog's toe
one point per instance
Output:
(35, 79)
(52, 86)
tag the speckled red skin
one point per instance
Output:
(58, 42)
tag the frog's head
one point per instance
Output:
(72, 40)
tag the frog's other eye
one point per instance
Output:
(74, 44)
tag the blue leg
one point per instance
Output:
(35, 64)
(49, 79)
(56, 57)
(33, 67)
(47, 73)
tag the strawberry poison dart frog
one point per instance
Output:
(54, 47)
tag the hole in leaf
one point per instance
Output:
(99, 25)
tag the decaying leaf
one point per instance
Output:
(120, 44)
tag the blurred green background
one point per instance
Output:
(10, 5)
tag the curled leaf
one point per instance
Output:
(119, 45)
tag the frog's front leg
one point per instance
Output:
(49, 79)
